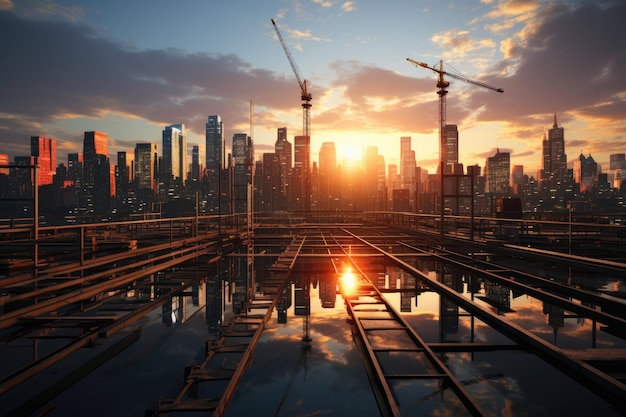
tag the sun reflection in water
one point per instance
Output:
(348, 282)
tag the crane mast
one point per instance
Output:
(304, 94)
(442, 85)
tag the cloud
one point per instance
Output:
(323, 3)
(43, 9)
(62, 70)
(348, 6)
(566, 60)
(458, 43)
(570, 61)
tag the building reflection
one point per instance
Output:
(448, 310)
(215, 300)
(328, 290)
(555, 318)
(498, 296)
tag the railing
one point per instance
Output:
(23, 245)
(564, 236)
(20, 239)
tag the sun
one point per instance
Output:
(348, 281)
(349, 153)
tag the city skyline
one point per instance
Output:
(79, 67)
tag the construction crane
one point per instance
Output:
(304, 93)
(442, 84)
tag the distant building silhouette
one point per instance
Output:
(586, 173)
(554, 161)
(301, 178)
(144, 169)
(407, 167)
(450, 151)
(517, 179)
(329, 179)
(284, 153)
(497, 172)
(618, 166)
(122, 178)
(174, 153)
(97, 187)
(243, 154)
(45, 150)
(215, 163)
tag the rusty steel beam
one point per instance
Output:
(609, 387)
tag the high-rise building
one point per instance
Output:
(75, 168)
(122, 176)
(554, 161)
(268, 178)
(22, 178)
(497, 171)
(95, 143)
(4, 163)
(97, 182)
(618, 166)
(407, 167)
(450, 150)
(329, 182)
(145, 160)
(215, 162)
(243, 154)
(517, 179)
(374, 185)
(174, 163)
(302, 173)
(196, 164)
(45, 150)
(284, 153)
(586, 173)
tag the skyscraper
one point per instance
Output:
(407, 167)
(497, 171)
(122, 177)
(75, 168)
(302, 172)
(585, 173)
(174, 164)
(372, 196)
(329, 183)
(96, 173)
(45, 150)
(517, 179)
(196, 164)
(95, 143)
(145, 154)
(214, 161)
(268, 183)
(243, 154)
(554, 161)
(618, 166)
(450, 150)
(283, 151)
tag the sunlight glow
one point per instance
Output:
(348, 281)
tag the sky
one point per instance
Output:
(130, 68)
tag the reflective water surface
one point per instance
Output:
(307, 362)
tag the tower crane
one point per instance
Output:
(304, 93)
(442, 84)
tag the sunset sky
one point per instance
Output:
(129, 68)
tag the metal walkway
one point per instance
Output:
(210, 386)
(608, 386)
(400, 362)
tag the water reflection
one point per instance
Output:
(307, 363)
